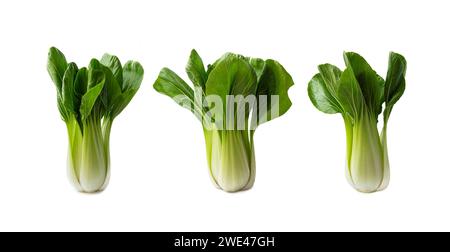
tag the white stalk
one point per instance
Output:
(231, 159)
(366, 163)
(93, 167)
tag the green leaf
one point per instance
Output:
(196, 70)
(94, 66)
(275, 81)
(371, 84)
(320, 96)
(96, 81)
(56, 67)
(81, 83)
(70, 101)
(232, 76)
(350, 95)
(323, 89)
(133, 74)
(395, 82)
(170, 84)
(209, 69)
(121, 102)
(213, 65)
(111, 90)
(62, 111)
(331, 75)
(258, 65)
(113, 63)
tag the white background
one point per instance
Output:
(160, 180)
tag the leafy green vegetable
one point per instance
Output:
(359, 93)
(231, 97)
(89, 99)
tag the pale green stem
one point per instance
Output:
(349, 139)
(366, 164)
(106, 129)
(74, 153)
(93, 169)
(252, 159)
(230, 159)
(387, 172)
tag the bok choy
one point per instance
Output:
(231, 98)
(89, 99)
(359, 94)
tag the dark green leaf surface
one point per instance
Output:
(70, 100)
(370, 83)
(196, 70)
(114, 65)
(395, 82)
(350, 95)
(111, 90)
(56, 66)
(96, 81)
(231, 76)
(320, 96)
(258, 65)
(94, 67)
(274, 81)
(133, 74)
(81, 82)
(121, 102)
(331, 76)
